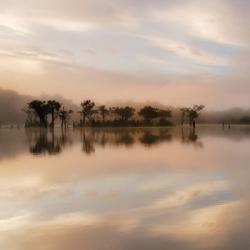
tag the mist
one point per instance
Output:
(12, 103)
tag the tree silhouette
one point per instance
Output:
(103, 112)
(87, 111)
(65, 116)
(184, 111)
(193, 113)
(31, 119)
(148, 113)
(41, 109)
(53, 107)
(125, 113)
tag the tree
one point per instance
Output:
(103, 111)
(193, 113)
(30, 121)
(164, 113)
(125, 113)
(65, 116)
(184, 111)
(148, 113)
(245, 120)
(87, 110)
(163, 117)
(41, 109)
(53, 107)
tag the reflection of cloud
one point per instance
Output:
(14, 223)
(187, 195)
(166, 197)
(199, 229)
(80, 218)
(205, 222)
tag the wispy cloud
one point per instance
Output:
(147, 47)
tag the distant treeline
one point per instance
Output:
(11, 103)
(41, 113)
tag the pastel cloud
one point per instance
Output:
(172, 52)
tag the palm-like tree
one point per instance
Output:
(41, 109)
(87, 110)
(54, 108)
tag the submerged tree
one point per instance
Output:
(148, 113)
(53, 108)
(41, 109)
(31, 117)
(124, 113)
(193, 113)
(87, 111)
(45, 113)
(184, 111)
(65, 116)
(164, 113)
(163, 116)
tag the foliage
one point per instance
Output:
(245, 120)
(65, 116)
(53, 109)
(41, 112)
(41, 109)
(103, 112)
(124, 113)
(148, 113)
(87, 111)
(193, 113)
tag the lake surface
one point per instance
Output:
(125, 189)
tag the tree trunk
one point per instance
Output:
(52, 124)
(182, 119)
(83, 119)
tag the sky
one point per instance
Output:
(176, 52)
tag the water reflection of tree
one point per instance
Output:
(87, 142)
(150, 139)
(44, 141)
(121, 137)
(127, 139)
(191, 137)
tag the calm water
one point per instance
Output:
(125, 189)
